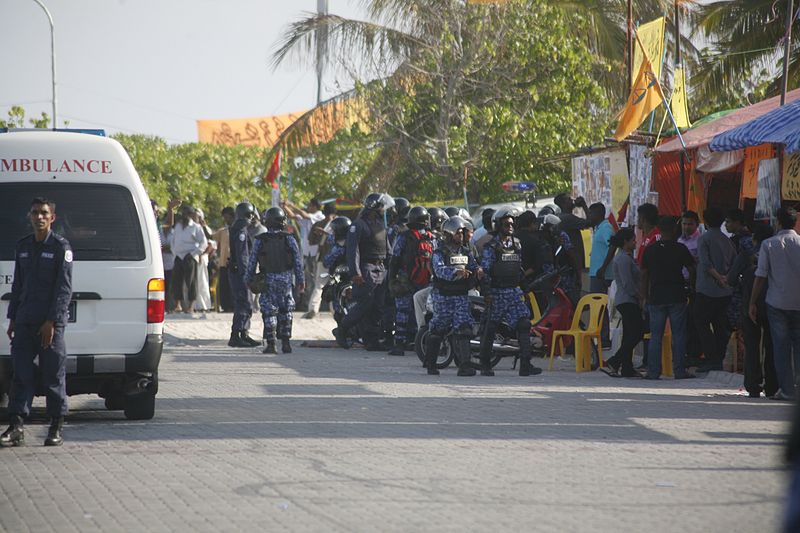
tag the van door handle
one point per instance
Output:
(75, 296)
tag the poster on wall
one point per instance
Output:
(768, 199)
(591, 178)
(640, 177)
(790, 188)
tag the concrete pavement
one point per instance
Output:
(336, 440)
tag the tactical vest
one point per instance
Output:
(458, 258)
(507, 268)
(275, 254)
(373, 246)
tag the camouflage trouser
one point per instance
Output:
(405, 321)
(277, 304)
(508, 306)
(450, 312)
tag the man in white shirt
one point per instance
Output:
(187, 242)
(305, 220)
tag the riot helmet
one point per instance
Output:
(550, 209)
(453, 225)
(245, 211)
(402, 206)
(418, 217)
(451, 211)
(275, 218)
(503, 213)
(340, 227)
(438, 216)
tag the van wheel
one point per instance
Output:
(140, 406)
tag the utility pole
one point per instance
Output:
(678, 63)
(630, 44)
(52, 55)
(786, 48)
(322, 47)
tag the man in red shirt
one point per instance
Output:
(647, 221)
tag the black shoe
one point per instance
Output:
(397, 349)
(754, 394)
(432, 370)
(486, 370)
(629, 373)
(527, 369)
(14, 435)
(286, 346)
(466, 371)
(341, 338)
(270, 348)
(54, 435)
(247, 340)
(613, 364)
(310, 315)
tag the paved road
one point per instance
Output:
(334, 440)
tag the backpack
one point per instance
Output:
(418, 252)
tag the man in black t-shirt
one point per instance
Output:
(665, 296)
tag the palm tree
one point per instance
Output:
(746, 39)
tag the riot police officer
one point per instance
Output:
(454, 272)
(367, 250)
(37, 313)
(502, 262)
(398, 219)
(277, 255)
(438, 216)
(409, 271)
(237, 264)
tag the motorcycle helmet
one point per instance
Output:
(438, 216)
(275, 218)
(245, 211)
(453, 225)
(418, 217)
(340, 226)
(507, 211)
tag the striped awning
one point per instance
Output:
(780, 126)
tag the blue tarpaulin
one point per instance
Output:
(779, 126)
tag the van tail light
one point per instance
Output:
(155, 301)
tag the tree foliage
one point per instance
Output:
(16, 119)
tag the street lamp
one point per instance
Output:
(52, 55)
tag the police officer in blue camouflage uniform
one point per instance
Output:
(277, 255)
(409, 272)
(502, 262)
(454, 273)
(367, 251)
(237, 265)
(37, 313)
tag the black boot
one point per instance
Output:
(15, 434)
(463, 355)
(236, 340)
(524, 339)
(247, 340)
(286, 346)
(54, 436)
(340, 334)
(432, 345)
(486, 349)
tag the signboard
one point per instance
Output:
(752, 157)
(640, 176)
(790, 188)
(591, 178)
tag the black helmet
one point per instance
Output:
(418, 217)
(437, 217)
(340, 226)
(507, 211)
(245, 211)
(275, 218)
(453, 225)
(373, 201)
(451, 211)
(465, 215)
(402, 206)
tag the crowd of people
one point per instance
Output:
(674, 278)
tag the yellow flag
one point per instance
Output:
(651, 39)
(645, 96)
(680, 109)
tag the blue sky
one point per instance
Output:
(155, 66)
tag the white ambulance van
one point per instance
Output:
(115, 332)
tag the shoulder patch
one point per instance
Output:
(353, 228)
(242, 237)
(68, 256)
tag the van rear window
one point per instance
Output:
(99, 221)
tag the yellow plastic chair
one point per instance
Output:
(596, 304)
(536, 313)
(666, 350)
